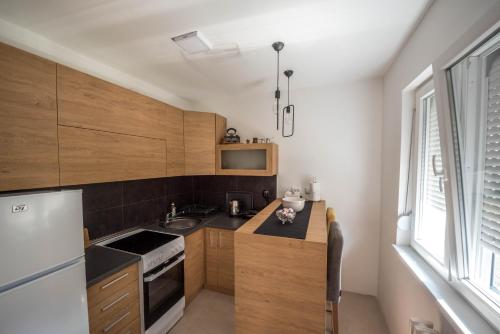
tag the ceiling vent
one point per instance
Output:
(192, 42)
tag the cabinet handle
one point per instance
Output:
(105, 308)
(114, 323)
(114, 281)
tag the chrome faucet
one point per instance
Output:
(172, 214)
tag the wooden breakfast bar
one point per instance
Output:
(280, 282)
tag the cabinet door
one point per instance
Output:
(28, 126)
(88, 102)
(226, 261)
(88, 156)
(199, 141)
(175, 141)
(211, 258)
(194, 264)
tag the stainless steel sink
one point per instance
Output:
(181, 223)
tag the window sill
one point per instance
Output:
(461, 315)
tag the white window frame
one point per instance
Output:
(458, 266)
(423, 91)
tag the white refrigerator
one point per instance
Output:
(42, 264)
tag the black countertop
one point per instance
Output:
(101, 262)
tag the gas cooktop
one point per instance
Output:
(142, 242)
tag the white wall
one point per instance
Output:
(338, 139)
(400, 295)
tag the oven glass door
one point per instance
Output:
(163, 287)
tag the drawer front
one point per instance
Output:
(114, 306)
(119, 322)
(112, 285)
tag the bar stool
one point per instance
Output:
(334, 262)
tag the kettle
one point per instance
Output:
(234, 207)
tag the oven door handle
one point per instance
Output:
(164, 270)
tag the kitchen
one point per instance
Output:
(229, 167)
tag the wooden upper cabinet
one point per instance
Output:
(175, 141)
(28, 121)
(90, 156)
(88, 102)
(202, 132)
(247, 159)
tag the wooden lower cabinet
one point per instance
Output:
(219, 255)
(114, 303)
(194, 264)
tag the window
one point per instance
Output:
(428, 230)
(475, 100)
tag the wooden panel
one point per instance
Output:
(211, 258)
(114, 303)
(175, 142)
(280, 285)
(317, 230)
(28, 126)
(88, 102)
(199, 142)
(194, 264)
(114, 306)
(271, 159)
(220, 128)
(112, 285)
(226, 261)
(121, 324)
(88, 156)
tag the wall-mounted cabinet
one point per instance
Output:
(90, 156)
(175, 141)
(247, 159)
(59, 126)
(91, 103)
(202, 132)
(28, 121)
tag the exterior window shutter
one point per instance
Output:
(434, 190)
(490, 226)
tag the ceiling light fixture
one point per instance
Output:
(192, 42)
(288, 111)
(278, 46)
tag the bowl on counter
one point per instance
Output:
(296, 203)
(286, 215)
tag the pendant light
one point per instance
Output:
(289, 110)
(278, 46)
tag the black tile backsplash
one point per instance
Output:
(111, 207)
(212, 190)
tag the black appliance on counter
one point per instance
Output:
(245, 203)
(199, 210)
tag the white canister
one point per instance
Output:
(315, 190)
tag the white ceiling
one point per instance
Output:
(325, 41)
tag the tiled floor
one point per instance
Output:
(213, 313)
